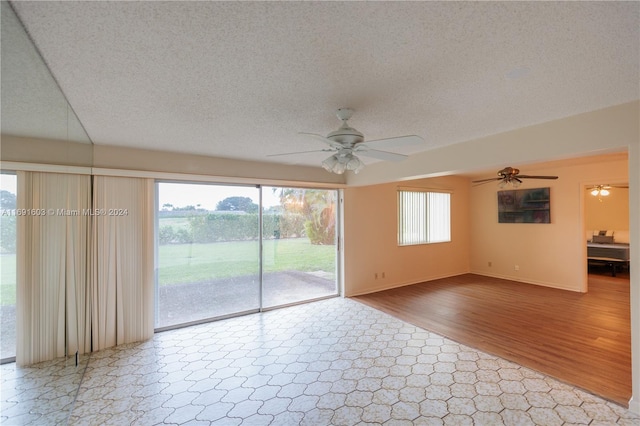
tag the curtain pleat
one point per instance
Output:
(52, 247)
(85, 266)
(122, 286)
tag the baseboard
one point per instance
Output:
(423, 280)
(526, 281)
(634, 405)
(403, 284)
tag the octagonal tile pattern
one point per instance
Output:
(333, 362)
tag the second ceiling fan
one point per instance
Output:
(511, 176)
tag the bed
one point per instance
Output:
(605, 250)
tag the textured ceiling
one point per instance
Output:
(32, 104)
(241, 79)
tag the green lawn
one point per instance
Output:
(183, 263)
(8, 279)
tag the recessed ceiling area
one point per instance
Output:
(240, 80)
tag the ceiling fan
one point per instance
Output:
(603, 190)
(511, 176)
(347, 141)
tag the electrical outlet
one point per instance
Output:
(383, 275)
(375, 275)
(516, 267)
(489, 264)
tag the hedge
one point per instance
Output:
(217, 227)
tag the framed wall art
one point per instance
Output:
(524, 206)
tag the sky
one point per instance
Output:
(207, 195)
(8, 182)
(182, 195)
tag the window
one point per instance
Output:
(423, 217)
(8, 195)
(225, 250)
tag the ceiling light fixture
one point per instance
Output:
(341, 162)
(600, 191)
(511, 181)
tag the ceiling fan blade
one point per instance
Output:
(486, 180)
(380, 155)
(299, 152)
(322, 139)
(537, 177)
(397, 142)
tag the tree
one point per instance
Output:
(237, 204)
(7, 200)
(317, 206)
(8, 223)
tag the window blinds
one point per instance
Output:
(423, 217)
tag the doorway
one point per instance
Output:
(606, 212)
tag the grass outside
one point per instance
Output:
(8, 279)
(185, 263)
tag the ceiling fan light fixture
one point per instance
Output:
(354, 164)
(508, 181)
(340, 167)
(329, 163)
(600, 191)
(339, 163)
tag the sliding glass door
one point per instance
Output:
(208, 256)
(226, 250)
(8, 193)
(299, 248)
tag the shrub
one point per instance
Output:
(166, 235)
(215, 227)
(8, 234)
(320, 234)
(183, 236)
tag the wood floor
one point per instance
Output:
(580, 339)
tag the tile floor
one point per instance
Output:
(333, 362)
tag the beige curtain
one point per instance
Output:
(52, 246)
(122, 282)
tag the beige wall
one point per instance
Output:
(111, 157)
(547, 254)
(45, 151)
(370, 238)
(40, 151)
(607, 213)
